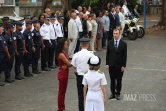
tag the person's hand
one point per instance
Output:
(33, 49)
(107, 68)
(43, 46)
(104, 101)
(84, 98)
(64, 66)
(104, 31)
(25, 51)
(71, 39)
(122, 69)
(8, 57)
(16, 53)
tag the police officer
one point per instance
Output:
(3, 51)
(37, 40)
(46, 43)
(26, 18)
(20, 49)
(59, 28)
(79, 61)
(29, 46)
(53, 38)
(10, 44)
(5, 23)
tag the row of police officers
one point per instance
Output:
(26, 42)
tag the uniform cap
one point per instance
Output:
(52, 17)
(94, 61)
(5, 18)
(60, 17)
(47, 18)
(84, 40)
(10, 25)
(27, 16)
(28, 22)
(35, 21)
(18, 23)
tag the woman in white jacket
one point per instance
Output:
(95, 81)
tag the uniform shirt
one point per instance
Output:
(9, 42)
(94, 80)
(2, 43)
(122, 18)
(106, 22)
(80, 60)
(59, 29)
(79, 24)
(28, 37)
(53, 35)
(18, 36)
(36, 37)
(45, 31)
(24, 27)
(126, 10)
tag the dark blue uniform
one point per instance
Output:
(29, 44)
(37, 45)
(2, 53)
(9, 63)
(19, 38)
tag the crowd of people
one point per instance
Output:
(49, 36)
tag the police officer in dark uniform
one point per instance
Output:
(3, 51)
(10, 44)
(29, 46)
(20, 49)
(5, 23)
(37, 44)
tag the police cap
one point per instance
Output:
(46, 18)
(5, 18)
(52, 17)
(60, 17)
(10, 25)
(28, 23)
(35, 21)
(27, 16)
(18, 23)
(84, 40)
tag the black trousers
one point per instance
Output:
(116, 80)
(27, 58)
(9, 65)
(80, 87)
(51, 53)
(2, 61)
(44, 54)
(110, 35)
(36, 56)
(18, 62)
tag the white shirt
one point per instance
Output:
(53, 35)
(126, 10)
(79, 24)
(122, 18)
(94, 80)
(87, 13)
(80, 60)
(45, 31)
(117, 42)
(89, 25)
(59, 29)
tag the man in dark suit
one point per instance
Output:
(112, 23)
(116, 58)
(85, 26)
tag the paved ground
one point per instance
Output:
(144, 81)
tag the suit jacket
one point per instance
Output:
(85, 27)
(72, 29)
(112, 21)
(116, 58)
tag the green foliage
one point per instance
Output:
(90, 2)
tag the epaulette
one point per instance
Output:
(85, 72)
(100, 72)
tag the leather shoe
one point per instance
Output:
(1, 84)
(18, 78)
(9, 80)
(117, 97)
(27, 74)
(112, 96)
(46, 69)
(52, 67)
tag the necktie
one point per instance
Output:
(62, 29)
(54, 30)
(116, 45)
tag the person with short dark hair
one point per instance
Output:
(116, 58)
(63, 73)
(5, 21)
